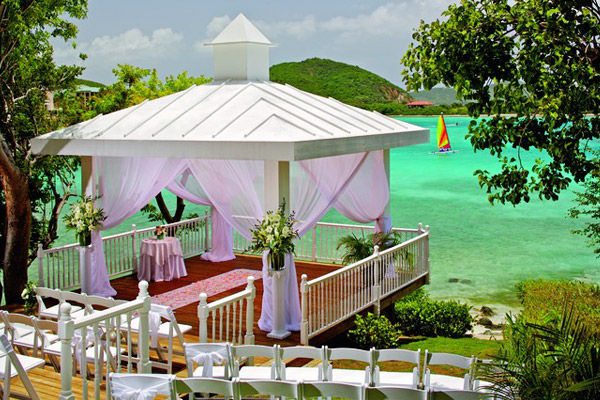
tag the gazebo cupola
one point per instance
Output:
(241, 52)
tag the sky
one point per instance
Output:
(170, 35)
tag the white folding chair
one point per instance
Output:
(141, 386)
(332, 389)
(435, 382)
(95, 303)
(12, 364)
(47, 331)
(309, 373)
(223, 387)
(388, 378)
(205, 356)
(394, 393)
(20, 330)
(357, 376)
(459, 395)
(243, 356)
(52, 312)
(270, 387)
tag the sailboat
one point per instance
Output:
(442, 138)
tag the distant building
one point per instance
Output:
(82, 90)
(419, 103)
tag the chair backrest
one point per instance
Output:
(332, 389)
(315, 353)
(221, 387)
(269, 387)
(95, 303)
(394, 392)
(127, 386)
(247, 352)
(448, 359)
(72, 297)
(193, 350)
(460, 395)
(454, 360)
(44, 292)
(167, 314)
(347, 353)
(410, 356)
(12, 320)
(12, 361)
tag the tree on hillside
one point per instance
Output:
(27, 71)
(538, 59)
(133, 86)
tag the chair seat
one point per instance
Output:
(402, 379)
(26, 361)
(349, 375)
(302, 374)
(163, 329)
(218, 372)
(54, 349)
(28, 340)
(21, 330)
(52, 312)
(251, 372)
(446, 382)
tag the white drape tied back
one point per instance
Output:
(355, 184)
(154, 321)
(144, 388)
(208, 361)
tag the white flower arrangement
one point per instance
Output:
(28, 295)
(276, 234)
(84, 218)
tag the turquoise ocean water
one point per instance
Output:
(489, 248)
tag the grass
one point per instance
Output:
(465, 347)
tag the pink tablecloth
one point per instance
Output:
(161, 260)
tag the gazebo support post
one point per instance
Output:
(88, 188)
(384, 223)
(277, 191)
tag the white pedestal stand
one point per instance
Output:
(278, 331)
(85, 263)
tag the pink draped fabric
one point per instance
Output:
(188, 188)
(125, 186)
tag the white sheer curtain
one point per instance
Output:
(365, 197)
(188, 188)
(126, 184)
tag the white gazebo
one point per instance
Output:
(248, 142)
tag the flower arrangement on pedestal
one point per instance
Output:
(275, 233)
(84, 218)
(28, 295)
(160, 232)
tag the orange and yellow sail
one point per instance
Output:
(442, 135)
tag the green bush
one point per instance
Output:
(419, 315)
(372, 331)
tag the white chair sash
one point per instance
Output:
(208, 360)
(154, 324)
(78, 344)
(121, 391)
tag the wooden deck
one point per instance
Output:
(199, 270)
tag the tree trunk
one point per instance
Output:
(164, 210)
(18, 230)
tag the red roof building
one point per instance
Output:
(420, 103)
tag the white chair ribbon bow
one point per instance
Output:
(78, 344)
(138, 394)
(208, 360)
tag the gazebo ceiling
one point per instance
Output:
(251, 119)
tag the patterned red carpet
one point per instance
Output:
(189, 294)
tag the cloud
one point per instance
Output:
(134, 44)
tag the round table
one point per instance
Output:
(161, 260)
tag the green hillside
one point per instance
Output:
(86, 82)
(347, 83)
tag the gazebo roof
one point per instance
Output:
(248, 120)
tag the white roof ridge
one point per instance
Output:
(240, 30)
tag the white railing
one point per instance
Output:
(59, 267)
(229, 322)
(321, 242)
(332, 298)
(103, 329)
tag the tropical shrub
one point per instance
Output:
(358, 248)
(544, 300)
(418, 315)
(553, 360)
(374, 331)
